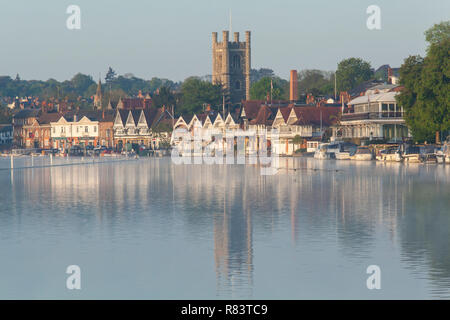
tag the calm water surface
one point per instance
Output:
(148, 229)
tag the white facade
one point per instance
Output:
(6, 135)
(374, 116)
(65, 133)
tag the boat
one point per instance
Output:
(412, 154)
(321, 153)
(345, 150)
(390, 154)
(443, 155)
(362, 154)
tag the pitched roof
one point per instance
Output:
(46, 118)
(123, 115)
(326, 116)
(379, 97)
(265, 115)
(136, 116)
(134, 103)
(285, 112)
(27, 113)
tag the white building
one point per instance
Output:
(65, 133)
(6, 134)
(373, 116)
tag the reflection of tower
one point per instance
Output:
(98, 96)
(231, 65)
(233, 251)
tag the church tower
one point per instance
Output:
(98, 96)
(231, 65)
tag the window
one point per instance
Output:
(237, 61)
(384, 107)
(95, 129)
(86, 129)
(237, 85)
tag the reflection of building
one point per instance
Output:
(233, 253)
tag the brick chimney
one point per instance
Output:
(293, 86)
(389, 75)
(310, 99)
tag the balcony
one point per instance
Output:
(372, 115)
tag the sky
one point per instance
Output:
(172, 38)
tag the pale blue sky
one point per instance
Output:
(172, 38)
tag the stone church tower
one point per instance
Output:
(231, 65)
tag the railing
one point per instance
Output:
(372, 115)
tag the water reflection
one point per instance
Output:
(343, 213)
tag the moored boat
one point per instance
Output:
(390, 154)
(321, 153)
(345, 150)
(362, 154)
(412, 154)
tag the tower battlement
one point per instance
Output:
(232, 64)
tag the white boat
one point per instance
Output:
(443, 155)
(390, 154)
(362, 154)
(321, 153)
(412, 154)
(345, 151)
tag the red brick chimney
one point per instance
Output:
(293, 86)
(389, 75)
(310, 99)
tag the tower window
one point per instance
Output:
(237, 85)
(237, 61)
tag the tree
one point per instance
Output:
(81, 83)
(262, 88)
(317, 82)
(426, 94)
(258, 74)
(352, 72)
(195, 93)
(110, 76)
(165, 97)
(296, 140)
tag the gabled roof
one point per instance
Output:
(265, 116)
(46, 118)
(285, 112)
(326, 116)
(123, 114)
(136, 116)
(151, 116)
(134, 103)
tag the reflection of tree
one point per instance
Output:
(425, 231)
